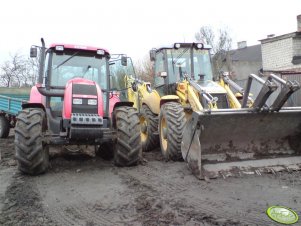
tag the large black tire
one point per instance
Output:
(171, 126)
(128, 148)
(149, 129)
(4, 127)
(31, 152)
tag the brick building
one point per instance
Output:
(282, 53)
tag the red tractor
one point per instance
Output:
(72, 104)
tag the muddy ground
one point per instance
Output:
(85, 190)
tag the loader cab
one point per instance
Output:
(120, 66)
(180, 61)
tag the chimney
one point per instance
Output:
(299, 23)
(242, 44)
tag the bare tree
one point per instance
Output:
(18, 71)
(10, 70)
(144, 69)
(6, 75)
(221, 45)
(32, 69)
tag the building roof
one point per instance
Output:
(249, 53)
(296, 34)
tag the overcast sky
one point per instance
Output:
(134, 27)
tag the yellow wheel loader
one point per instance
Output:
(125, 82)
(217, 134)
(143, 97)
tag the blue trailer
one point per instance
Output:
(11, 100)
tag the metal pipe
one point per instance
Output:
(247, 92)
(42, 61)
(243, 111)
(257, 78)
(51, 92)
(108, 88)
(291, 108)
(288, 88)
(278, 79)
(233, 84)
(192, 62)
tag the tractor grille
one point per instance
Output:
(82, 89)
(222, 101)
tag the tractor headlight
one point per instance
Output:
(100, 52)
(92, 101)
(59, 48)
(77, 101)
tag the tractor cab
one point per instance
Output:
(67, 62)
(74, 80)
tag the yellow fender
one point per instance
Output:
(169, 98)
(152, 101)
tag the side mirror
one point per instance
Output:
(124, 61)
(152, 55)
(33, 52)
(134, 87)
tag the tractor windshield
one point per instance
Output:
(180, 64)
(70, 64)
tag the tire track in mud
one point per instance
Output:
(74, 205)
(157, 208)
(77, 215)
(23, 204)
(179, 190)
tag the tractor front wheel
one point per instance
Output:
(31, 151)
(128, 145)
(171, 125)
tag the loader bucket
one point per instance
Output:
(237, 141)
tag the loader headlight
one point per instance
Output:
(92, 101)
(177, 45)
(199, 45)
(77, 101)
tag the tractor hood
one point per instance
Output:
(211, 87)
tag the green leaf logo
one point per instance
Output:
(282, 215)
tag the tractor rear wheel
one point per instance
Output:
(4, 127)
(149, 129)
(31, 152)
(171, 126)
(128, 145)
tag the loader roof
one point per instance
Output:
(185, 45)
